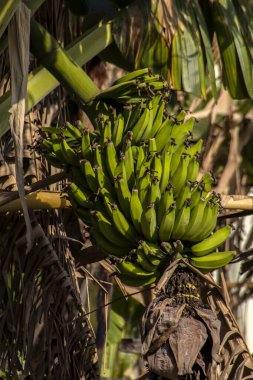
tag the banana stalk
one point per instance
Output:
(38, 201)
(41, 82)
(59, 63)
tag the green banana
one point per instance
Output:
(163, 134)
(154, 192)
(183, 195)
(109, 247)
(137, 282)
(143, 186)
(81, 196)
(118, 130)
(111, 158)
(166, 166)
(133, 269)
(143, 261)
(158, 119)
(209, 221)
(167, 223)
(193, 168)
(181, 221)
(89, 174)
(196, 218)
(57, 149)
(86, 144)
(180, 175)
(103, 180)
(152, 148)
(212, 242)
(136, 210)
(69, 153)
(167, 198)
(123, 194)
(109, 232)
(141, 126)
(73, 130)
(153, 253)
(122, 224)
(129, 163)
(213, 260)
(106, 134)
(167, 248)
(147, 132)
(137, 74)
(156, 166)
(149, 223)
(140, 159)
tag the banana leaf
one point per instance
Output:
(7, 10)
(115, 363)
(186, 33)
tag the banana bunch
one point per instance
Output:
(135, 87)
(134, 181)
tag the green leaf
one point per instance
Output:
(206, 44)
(7, 10)
(241, 47)
(231, 65)
(190, 56)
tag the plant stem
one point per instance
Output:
(41, 82)
(60, 64)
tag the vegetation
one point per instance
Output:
(58, 271)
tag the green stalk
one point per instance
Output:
(33, 5)
(60, 64)
(7, 10)
(41, 82)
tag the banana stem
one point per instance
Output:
(38, 201)
(239, 202)
(60, 64)
(41, 82)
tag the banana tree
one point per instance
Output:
(188, 44)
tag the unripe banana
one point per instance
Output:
(137, 74)
(86, 144)
(143, 261)
(81, 197)
(136, 210)
(140, 126)
(134, 281)
(149, 223)
(73, 130)
(156, 166)
(89, 174)
(118, 130)
(109, 232)
(124, 195)
(111, 159)
(167, 223)
(122, 225)
(196, 220)
(109, 247)
(133, 269)
(212, 242)
(166, 167)
(213, 260)
(181, 221)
